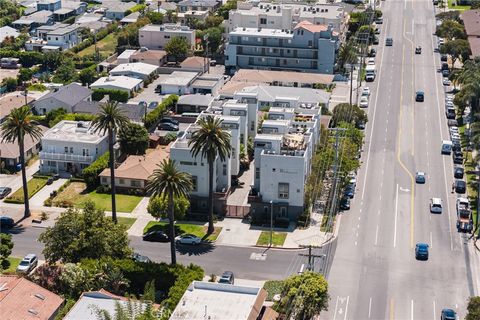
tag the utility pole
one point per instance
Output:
(205, 38)
(311, 257)
(271, 223)
(351, 82)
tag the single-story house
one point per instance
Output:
(471, 20)
(23, 299)
(124, 57)
(208, 84)
(154, 57)
(193, 103)
(131, 18)
(34, 20)
(122, 83)
(65, 97)
(11, 101)
(134, 172)
(137, 70)
(116, 10)
(7, 31)
(197, 64)
(134, 112)
(282, 78)
(177, 82)
(198, 5)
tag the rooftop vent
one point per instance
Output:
(40, 296)
(33, 311)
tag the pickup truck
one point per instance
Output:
(464, 216)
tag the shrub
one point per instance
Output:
(90, 173)
(156, 114)
(116, 95)
(27, 58)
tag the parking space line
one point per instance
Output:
(434, 311)
(396, 215)
(376, 241)
(370, 303)
(411, 309)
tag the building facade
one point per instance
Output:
(157, 36)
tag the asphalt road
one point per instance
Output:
(374, 273)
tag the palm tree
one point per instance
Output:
(168, 181)
(347, 54)
(210, 141)
(109, 120)
(16, 126)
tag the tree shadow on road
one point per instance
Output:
(198, 250)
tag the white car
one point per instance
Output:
(188, 239)
(436, 205)
(28, 263)
(455, 136)
(449, 97)
(446, 82)
(453, 130)
(364, 102)
(366, 91)
(371, 61)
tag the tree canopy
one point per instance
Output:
(158, 207)
(451, 29)
(457, 49)
(6, 246)
(473, 309)
(177, 47)
(133, 139)
(344, 112)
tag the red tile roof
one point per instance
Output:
(307, 25)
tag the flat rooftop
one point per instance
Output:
(178, 78)
(207, 300)
(73, 131)
(262, 32)
(167, 28)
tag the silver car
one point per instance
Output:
(28, 263)
(188, 239)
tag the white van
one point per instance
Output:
(446, 147)
(370, 73)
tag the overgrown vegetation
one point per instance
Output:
(90, 173)
(156, 114)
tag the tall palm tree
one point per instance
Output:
(168, 181)
(109, 120)
(347, 54)
(210, 141)
(17, 125)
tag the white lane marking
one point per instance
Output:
(374, 112)
(434, 311)
(355, 243)
(336, 306)
(411, 309)
(431, 238)
(358, 218)
(358, 225)
(413, 27)
(376, 241)
(370, 305)
(396, 215)
(346, 308)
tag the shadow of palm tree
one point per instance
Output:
(191, 250)
(18, 228)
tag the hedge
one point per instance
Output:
(90, 40)
(116, 95)
(90, 173)
(27, 58)
(156, 114)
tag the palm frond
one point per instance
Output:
(19, 124)
(110, 118)
(167, 178)
(210, 140)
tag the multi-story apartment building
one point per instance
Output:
(56, 37)
(306, 48)
(71, 146)
(50, 5)
(286, 16)
(154, 36)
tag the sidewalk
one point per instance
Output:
(143, 218)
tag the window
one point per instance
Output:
(263, 20)
(122, 181)
(224, 169)
(86, 152)
(166, 36)
(245, 38)
(66, 149)
(71, 149)
(135, 183)
(233, 153)
(194, 183)
(104, 180)
(259, 39)
(238, 113)
(283, 190)
(257, 173)
(252, 125)
(283, 212)
(309, 43)
(188, 163)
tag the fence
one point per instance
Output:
(237, 211)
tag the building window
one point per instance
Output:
(224, 169)
(252, 125)
(188, 163)
(104, 180)
(283, 190)
(122, 181)
(263, 20)
(309, 43)
(257, 173)
(244, 38)
(283, 212)
(259, 39)
(135, 183)
(86, 152)
(66, 149)
(166, 37)
(233, 153)
(194, 183)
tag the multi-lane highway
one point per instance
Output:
(375, 274)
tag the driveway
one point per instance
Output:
(236, 233)
(14, 181)
(44, 193)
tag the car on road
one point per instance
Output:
(436, 205)
(377, 30)
(6, 223)
(188, 239)
(372, 52)
(168, 127)
(345, 203)
(50, 181)
(169, 120)
(443, 58)
(375, 40)
(4, 191)
(448, 314)
(421, 251)
(364, 102)
(446, 82)
(418, 50)
(366, 91)
(349, 191)
(450, 113)
(419, 96)
(371, 61)
(452, 123)
(227, 277)
(155, 236)
(457, 156)
(460, 186)
(140, 258)
(445, 73)
(420, 177)
(28, 263)
(389, 42)
(458, 172)
(379, 20)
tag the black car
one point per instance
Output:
(4, 191)
(445, 73)
(349, 192)
(418, 50)
(444, 66)
(375, 40)
(456, 146)
(372, 52)
(450, 113)
(50, 181)
(227, 278)
(6, 223)
(460, 186)
(168, 127)
(345, 203)
(420, 96)
(444, 58)
(152, 105)
(155, 236)
(458, 172)
(169, 120)
(457, 157)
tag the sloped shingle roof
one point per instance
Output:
(70, 94)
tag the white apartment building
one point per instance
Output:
(70, 146)
(56, 37)
(154, 36)
(286, 16)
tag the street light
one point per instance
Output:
(271, 222)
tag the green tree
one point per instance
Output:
(10, 83)
(25, 74)
(224, 10)
(168, 181)
(155, 17)
(457, 49)
(109, 120)
(133, 310)
(66, 72)
(473, 309)
(6, 246)
(75, 280)
(347, 54)
(303, 296)
(158, 207)
(475, 4)
(149, 291)
(87, 76)
(449, 15)
(16, 126)
(210, 141)
(451, 29)
(86, 233)
(344, 112)
(133, 139)
(53, 114)
(53, 59)
(177, 47)
(214, 38)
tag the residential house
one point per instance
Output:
(201, 301)
(195, 63)
(154, 36)
(193, 103)
(122, 83)
(471, 21)
(208, 84)
(134, 172)
(65, 97)
(139, 70)
(133, 111)
(124, 57)
(58, 36)
(198, 5)
(153, 57)
(89, 302)
(71, 146)
(78, 6)
(6, 32)
(63, 13)
(185, 17)
(34, 20)
(49, 5)
(306, 48)
(131, 18)
(10, 101)
(23, 299)
(116, 10)
(178, 82)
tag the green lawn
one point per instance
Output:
(278, 238)
(14, 262)
(127, 222)
(273, 287)
(106, 46)
(181, 228)
(457, 7)
(34, 185)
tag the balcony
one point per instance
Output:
(65, 157)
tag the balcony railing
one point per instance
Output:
(65, 157)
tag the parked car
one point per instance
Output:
(28, 263)
(420, 96)
(140, 258)
(448, 314)
(152, 105)
(143, 104)
(457, 156)
(366, 91)
(444, 58)
(418, 50)
(445, 73)
(446, 82)
(155, 236)
(227, 278)
(188, 239)
(421, 251)
(420, 177)
(376, 40)
(50, 181)
(361, 125)
(168, 127)
(169, 120)
(345, 203)
(436, 205)
(458, 172)
(460, 186)
(372, 52)
(4, 191)
(364, 102)
(452, 122)
(349, 191)
(6, 223)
